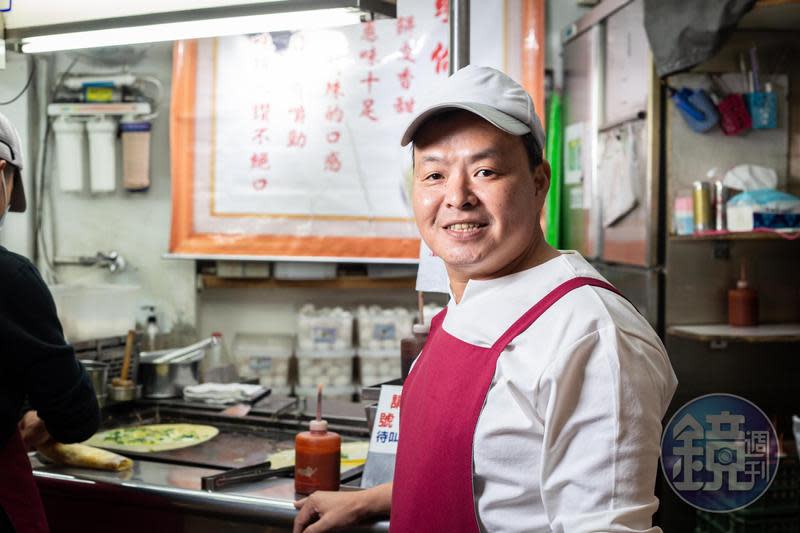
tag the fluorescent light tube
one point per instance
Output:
(195, 29)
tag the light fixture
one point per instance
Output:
(269, 16)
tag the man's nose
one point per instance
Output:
(459, 192)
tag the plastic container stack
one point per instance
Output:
(265, 357)
(325, 351)
(379, 333)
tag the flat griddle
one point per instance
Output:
(227, 450)
(241, 442)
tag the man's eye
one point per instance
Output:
(433, 177)
(485, 173)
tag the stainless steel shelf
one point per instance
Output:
(724, 332)
(737, 236)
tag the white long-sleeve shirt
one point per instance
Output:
(568, 440)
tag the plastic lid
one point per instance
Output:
(134, 126)
(318, 425)
(103, 125)
(64, 125)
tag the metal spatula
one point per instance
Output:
(242, 408)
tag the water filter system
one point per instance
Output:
(90, 114)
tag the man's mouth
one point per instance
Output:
(464, 226)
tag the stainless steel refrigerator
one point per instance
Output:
(611, 200)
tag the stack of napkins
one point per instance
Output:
(222, 393)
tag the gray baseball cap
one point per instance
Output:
(11, 151)
(488, 93)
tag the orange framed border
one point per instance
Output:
(183, 238)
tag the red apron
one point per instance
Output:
(19, 497)
(442, 399)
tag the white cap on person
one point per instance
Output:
(486, 92)
(11, 151)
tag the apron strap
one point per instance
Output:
(544, 304)
(438, 318)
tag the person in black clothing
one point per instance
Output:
(36, 365)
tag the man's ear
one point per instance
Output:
(5, 175)
(541, 178)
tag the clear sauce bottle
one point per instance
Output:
(217, 366)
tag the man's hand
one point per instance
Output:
(34, 433)
(330, 511)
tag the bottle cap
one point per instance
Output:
(318, 425)
(742, 282)
(216, 334)
(683, 203)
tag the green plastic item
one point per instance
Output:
(554, 154)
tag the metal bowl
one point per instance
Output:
(167, 380)
(122, 393)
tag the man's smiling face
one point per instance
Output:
(476, 200)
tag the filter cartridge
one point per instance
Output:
(69, 153)
(135, 154)
(102, 154)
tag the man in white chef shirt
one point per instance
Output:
(536, 404)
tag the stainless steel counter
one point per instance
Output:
(171, 490)
(266, 503)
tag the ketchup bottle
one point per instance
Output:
(317, 455)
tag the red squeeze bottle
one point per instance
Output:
(317, 455)
(742, 303)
